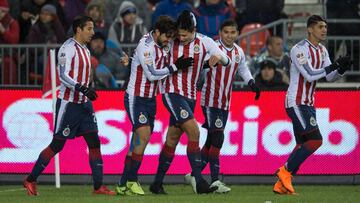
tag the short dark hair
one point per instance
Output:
(312, 20)
(186, 21)
(80, 21)
(271, 39)
(165, 24)
(229, 22)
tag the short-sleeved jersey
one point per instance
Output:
(148, 67)
(308, 64)
(73, 67)
(216, 91)
(184, 82)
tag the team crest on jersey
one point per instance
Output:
(184, 114)
(142, 118)
(196, 49)
(237, 58)
(312, 121)
(66, 131)
(166, 48)
(218, 123)
(300, 57)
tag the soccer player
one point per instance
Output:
(215, 100)
(74, 112)
(149, 65)
(309, 62)
(179, 95)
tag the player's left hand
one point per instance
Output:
(214, 60)
(254, 88)
(89, 92)
(344, 64)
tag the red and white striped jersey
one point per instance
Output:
(73, 67)
(150, 64)
(307, 66)
(184, 81)
(216, 91)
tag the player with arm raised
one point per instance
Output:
(309, 62)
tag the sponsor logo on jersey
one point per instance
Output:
(301, 58)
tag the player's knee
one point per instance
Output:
(92, 140)
(57, 145)
(217, 138)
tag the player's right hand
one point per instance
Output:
(182, 63)
(87, 91)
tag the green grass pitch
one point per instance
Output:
(183, 193)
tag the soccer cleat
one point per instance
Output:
(157, 188)
(203, 187)
(221, 187)
(135, 188)
(103, 190)
(123, 190)
(30, 188)
(285, 178)
(187, 178)
(279, 188)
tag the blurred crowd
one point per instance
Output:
(119, 24)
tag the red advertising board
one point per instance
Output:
(258, 135)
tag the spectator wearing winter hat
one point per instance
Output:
(269, 78)
(128, 26)
(46, 30)
(30, 12)
(9, 34)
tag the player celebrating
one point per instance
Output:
(309, 62)
(215, 101)
(74, 112)
(179, 94)
(149, 65)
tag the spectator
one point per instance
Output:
(95, 10)
(144, 12)
(269, 78)
(275, 51)
(73, 8)
(101, 77)
(108, 58)
(29, 14)
(9, 34)
(260, 11)
(48, 29)
(128, 26)
(210, 15)
(171, 8)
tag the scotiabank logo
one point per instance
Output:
(30, 132)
